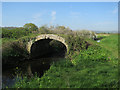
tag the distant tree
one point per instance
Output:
(51, 27)
(31, 26)
(60, 27)
(44, 30)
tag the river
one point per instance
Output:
(28, 67)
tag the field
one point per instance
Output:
(111, 44)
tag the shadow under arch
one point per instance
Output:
(48, 48)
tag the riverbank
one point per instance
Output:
(91, 68)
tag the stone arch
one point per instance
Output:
(46, 36)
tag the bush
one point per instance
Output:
(31, 26)
(15, 33)
(14, 51)
(93, 53)
(44, 30)
(75, 44)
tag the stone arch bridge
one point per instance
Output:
(45, 37)
(48, 38)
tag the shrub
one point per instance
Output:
(14, 51)
(31, 26)
(93, 53)
(15, 33)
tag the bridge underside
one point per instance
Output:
(48, 48)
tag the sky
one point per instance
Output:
(97, 16)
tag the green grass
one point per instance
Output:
(0, 42)
(90, 69)
(108, 42)
(7, 40)
(111, 44)
(86, 71)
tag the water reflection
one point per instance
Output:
(98, 40)
(28, 67)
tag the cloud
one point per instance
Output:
(53, 15)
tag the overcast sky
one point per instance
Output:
(99, 16)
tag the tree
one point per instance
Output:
(44, 30)
(31, 26)
(60, 27)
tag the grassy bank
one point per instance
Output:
(89, 69)
(111, 44)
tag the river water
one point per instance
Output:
(98, 40)
(28, 67)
